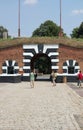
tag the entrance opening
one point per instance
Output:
(41, 63)
(10, 70)
(70, 70)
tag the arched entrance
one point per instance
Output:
(41, 63)
(45, 53)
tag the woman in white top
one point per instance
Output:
(54, 75)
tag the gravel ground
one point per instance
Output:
(40, 108)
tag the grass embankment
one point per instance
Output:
(78, 43)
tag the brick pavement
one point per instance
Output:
(41, 108)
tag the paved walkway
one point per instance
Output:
(76, 88)
(41, 108)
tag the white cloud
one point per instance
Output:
(77, 12)
(30, 2)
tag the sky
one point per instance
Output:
(35, 12)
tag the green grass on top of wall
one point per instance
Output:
(78, 43)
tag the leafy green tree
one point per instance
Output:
(2, 30)
(81, 30)
(75, 33)
(78, 32)
(48, 28)
(43, 65)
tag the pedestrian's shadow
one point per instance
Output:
(73, 86)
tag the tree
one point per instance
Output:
(43, 65)
(48, 28)
(77, 32)
(81, 30)
(2, 30)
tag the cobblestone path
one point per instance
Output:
(41, 108)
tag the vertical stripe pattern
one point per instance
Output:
(71, 64)
(10, 67)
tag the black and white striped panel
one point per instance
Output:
(10, 64)
(70, 63)
(29, 52)
(32, 49)
(52, 51)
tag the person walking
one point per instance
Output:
(32, 78)
(53, 75)
(80, 77)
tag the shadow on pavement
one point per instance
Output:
(79, 119)
(78, 90)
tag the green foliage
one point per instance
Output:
(43, 65)
(78, 32)
(75, 33)
(2, 30)
(48, 28)
(81, 30)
